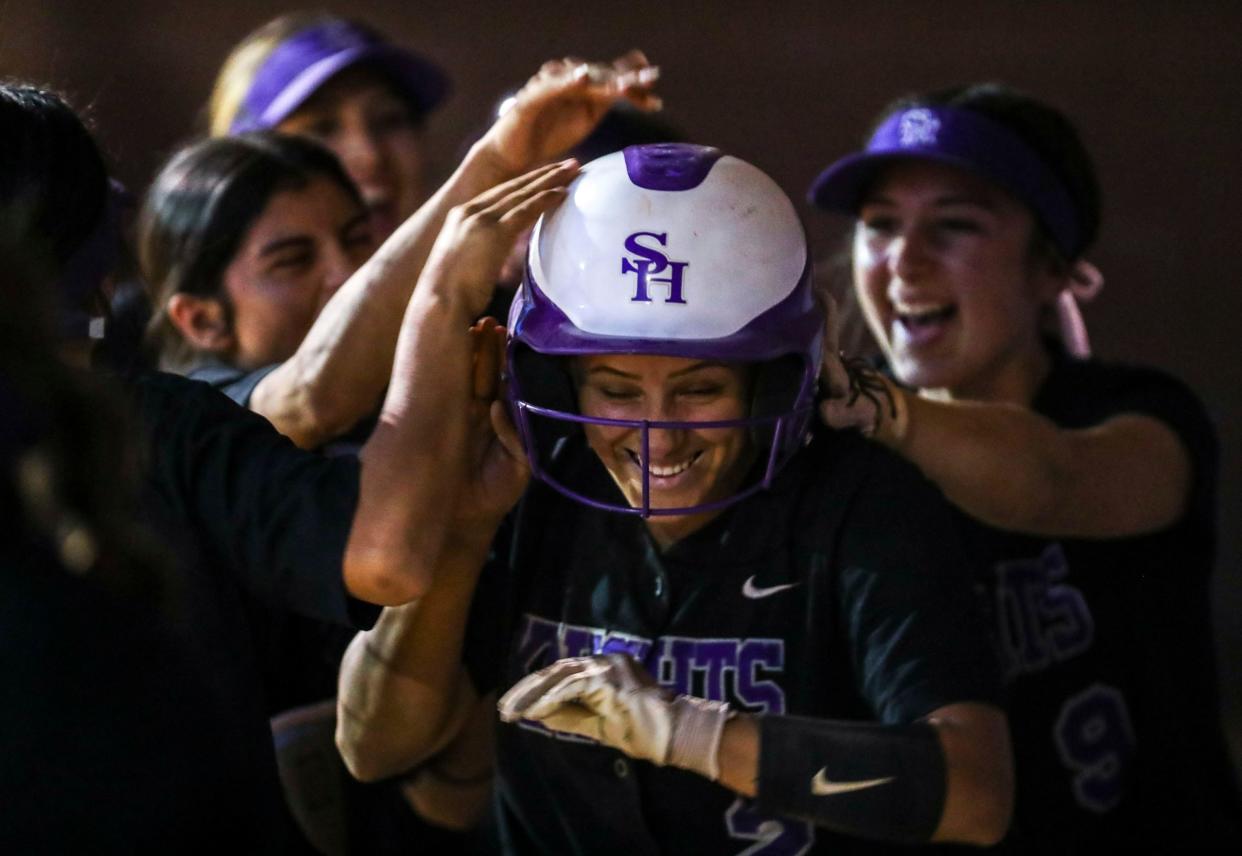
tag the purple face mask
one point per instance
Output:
(305, 61)
(964, 139)
(774, 430)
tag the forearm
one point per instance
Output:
(995, 461)
(414, 461)
(1015, 469)
(341, 368)
(403, 693)
(940, 780)
(452, 789)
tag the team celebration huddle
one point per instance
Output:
(542, 511)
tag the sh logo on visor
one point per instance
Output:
(652, 262)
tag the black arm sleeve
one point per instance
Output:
(275, 517)
(881, 782)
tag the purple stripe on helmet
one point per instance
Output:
(305, 61)
(965, 139)
(670, 166)
(785, 328)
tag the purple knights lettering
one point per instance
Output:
(651, 262)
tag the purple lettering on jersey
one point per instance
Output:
(542, 642)
(775, 836)
(1041, 619)
(1071, 629)
(652, 261)
(765, 696)
(537, 643)
(716, 658)
(675, 665)
(639, 649)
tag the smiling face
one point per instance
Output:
(299, 251)
(370, 128)
(948, 282)
(688, 466)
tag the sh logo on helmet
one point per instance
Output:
(650, 263)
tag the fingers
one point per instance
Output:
(514, 704)
(505, 195)
(487, 359)
(506, 433)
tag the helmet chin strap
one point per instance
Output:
(1085, 282)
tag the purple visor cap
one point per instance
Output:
(304, 62)
(964, 139)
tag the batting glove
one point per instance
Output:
(612, 699)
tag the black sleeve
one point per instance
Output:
(235, 383)
(1088, 393)
(491, 616)
(275, 517)
(911, 611)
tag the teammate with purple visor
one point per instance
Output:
(707, 619)
(341, 83)
(1088, 487)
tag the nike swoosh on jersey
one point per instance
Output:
(822, 786)
(750, 590)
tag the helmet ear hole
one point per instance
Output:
(777, 384)
(546, 381)
(776, 393)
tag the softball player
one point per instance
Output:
(1091, 487)
(718, 631)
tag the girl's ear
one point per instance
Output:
(202, 322)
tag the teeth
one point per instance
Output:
(917, 309)
(665, 472)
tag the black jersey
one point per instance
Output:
(840, 593)
(1108, 647)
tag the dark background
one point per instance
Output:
(1154, 87)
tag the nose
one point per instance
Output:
(908, 256)
(663, 442)
(361, 154)
(339, 266)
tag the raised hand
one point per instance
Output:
(611, 698)
(562, 104)
(477, 236)
(858, 396)
(497, 470)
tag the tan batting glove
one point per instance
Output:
(612, 699)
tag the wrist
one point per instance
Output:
(893, 423)
(485, 164)
(698, 725)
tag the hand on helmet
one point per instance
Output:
(612, 699)
(858, 396)
(477, 236)
(562, 104)
(497, 469)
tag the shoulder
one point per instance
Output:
(238, 384)
(889, 514)
(1084, 392)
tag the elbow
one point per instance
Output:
(365, 763)
(992, 815)
(386, 571)
(385, 583)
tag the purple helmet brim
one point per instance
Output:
(304, 62)
(969, 141)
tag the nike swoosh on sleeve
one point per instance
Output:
(822, 786)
